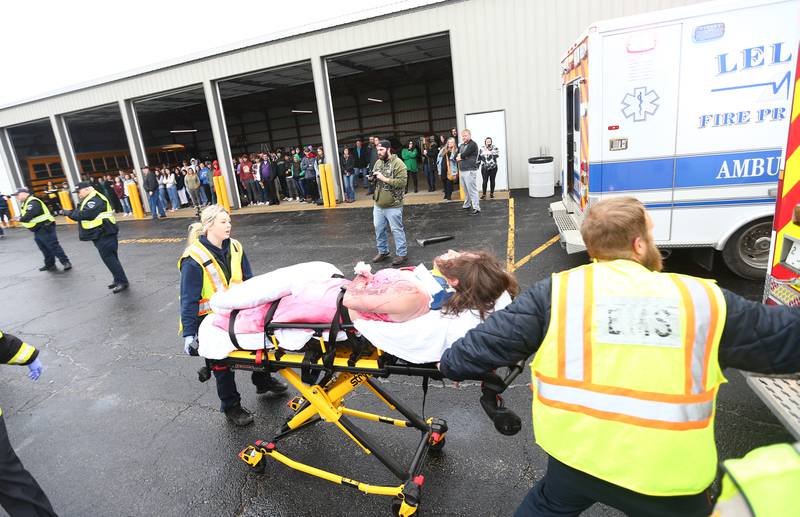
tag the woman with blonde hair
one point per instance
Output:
(449, 166)
(211, 262)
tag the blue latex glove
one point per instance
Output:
(35, 369)
(190, 345)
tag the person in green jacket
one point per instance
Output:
(389, 180)
(409, 156)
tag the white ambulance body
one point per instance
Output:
(687, 110)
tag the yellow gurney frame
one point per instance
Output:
(344, 369)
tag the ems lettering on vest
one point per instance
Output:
(638, 321)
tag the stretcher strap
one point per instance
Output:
(270, 314)
(333, 332)
(231, 328)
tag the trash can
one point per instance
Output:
(541, 176)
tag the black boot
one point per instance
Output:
(239, 416)
(48, 268)
(271, 386)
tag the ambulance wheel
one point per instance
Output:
(747, 251)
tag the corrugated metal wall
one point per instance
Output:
(505, 55)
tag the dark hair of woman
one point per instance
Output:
(481, 281)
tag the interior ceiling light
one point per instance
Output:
(183, 131)
(374, 100)
(302, 111)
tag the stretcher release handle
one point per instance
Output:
(505, 420)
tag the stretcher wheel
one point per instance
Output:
(437, 449)
(397, 507)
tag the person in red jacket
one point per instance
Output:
(245, 172)
(20, 494)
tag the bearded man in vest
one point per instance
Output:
(627, 364)
(97, 223)
(35, 216)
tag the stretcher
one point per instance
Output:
(324, 373)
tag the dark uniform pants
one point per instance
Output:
(20, 494)
(107, 246)
(226, 386)
(47, 240)
(565, 491)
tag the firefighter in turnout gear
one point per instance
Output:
(211, 262)
(628, 361)
(20, 494)
(36, 217)
(95, 217)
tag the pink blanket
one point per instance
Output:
(311, 303)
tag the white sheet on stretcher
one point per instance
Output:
(423, 339)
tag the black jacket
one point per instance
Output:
(93, 208)
(10, 345)
(34, 210)
(362, 161)
(469, 156)
(348, 163)
(150, 183)
(756, 337)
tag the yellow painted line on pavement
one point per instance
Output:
(160, 240)
(510, 248)
(511, 264)
(535, 252)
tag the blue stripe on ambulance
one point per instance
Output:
(711, 170)
(714, 202)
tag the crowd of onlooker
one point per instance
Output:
(292, 174)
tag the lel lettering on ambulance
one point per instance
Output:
(753, 57)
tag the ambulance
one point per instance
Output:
(687, 110)
(782, 394)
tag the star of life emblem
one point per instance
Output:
(639, 104)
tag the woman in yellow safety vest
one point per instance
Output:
(211, 262)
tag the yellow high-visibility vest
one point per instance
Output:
(108, 213)
(45, 215)
(625, 381)
(765, 482)
(213, 277)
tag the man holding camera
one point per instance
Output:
(389, 181)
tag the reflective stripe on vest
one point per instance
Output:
(45, 215)
(108, 213)
(638, 408)
(213, 276)
(210, 266)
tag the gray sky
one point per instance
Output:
(49, 45)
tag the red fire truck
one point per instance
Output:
(782, 394)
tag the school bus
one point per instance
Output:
(44, 170)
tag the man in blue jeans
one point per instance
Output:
(389, 181)
(150, 184)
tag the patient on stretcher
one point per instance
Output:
(412, 313)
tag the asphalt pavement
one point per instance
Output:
(119, 425)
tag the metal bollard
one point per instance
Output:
(135, 201)
(329, 186)
(222, 193)
(66, 203)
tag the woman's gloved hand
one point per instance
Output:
(35, 369)
(190, 345)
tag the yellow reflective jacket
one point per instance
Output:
(625, 381)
